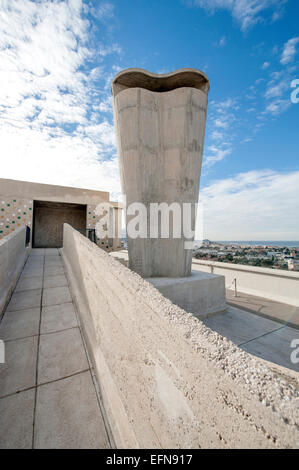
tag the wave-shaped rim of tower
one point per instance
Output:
(140, 78)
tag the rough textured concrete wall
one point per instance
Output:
(166, 379)
(13, 254)
(279, 285)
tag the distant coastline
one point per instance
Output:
(282, 243)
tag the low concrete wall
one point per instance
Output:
(13, 254)
(274, 284)
(167, 381)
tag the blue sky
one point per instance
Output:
(57, 59)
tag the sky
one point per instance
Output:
(57, 60)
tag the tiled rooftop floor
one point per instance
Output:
(48, 392)
(259, 336)
(283, 313)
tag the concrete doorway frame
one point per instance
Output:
(64, 204)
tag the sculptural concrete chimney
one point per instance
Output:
(160, 125)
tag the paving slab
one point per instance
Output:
(52, 257)
(53, 270)
(58, 317)
(276, 347)
(61, 354)
(51, 251)
(34, 266)
(29, 283)
(68, 415)
(239, 326)
(24, 300)
(37, 251)
(49, 261)
(32, 271)
(55, 281)
(35, 261)
(283, 313)
(20, 323)
(19, 371)
(16, 420)
(56, 295)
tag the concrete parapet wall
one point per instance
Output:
(274, 284)
(13, 254)
(167, 381)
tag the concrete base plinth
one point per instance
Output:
(202, 294)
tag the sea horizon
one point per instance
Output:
(278, 243)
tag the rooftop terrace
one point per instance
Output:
(74, 379)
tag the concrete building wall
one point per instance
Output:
(15, 212)
(168, 381)
(13, 254)
(17, 204)
(279, 285)
(51, 192)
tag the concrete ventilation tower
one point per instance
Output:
(160, 124)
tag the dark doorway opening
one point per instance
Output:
(48, 220)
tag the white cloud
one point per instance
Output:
(289, 51)
(246, 12)
(220, 131)
(51, 123)
(222, 124)
(265, 65)
(104, 10)
(221, 42)
(277, 91)
(215, 154)
(278, 106)
(34, 155)
(217, 135)
(258, 205)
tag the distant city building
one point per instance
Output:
(293, 264)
